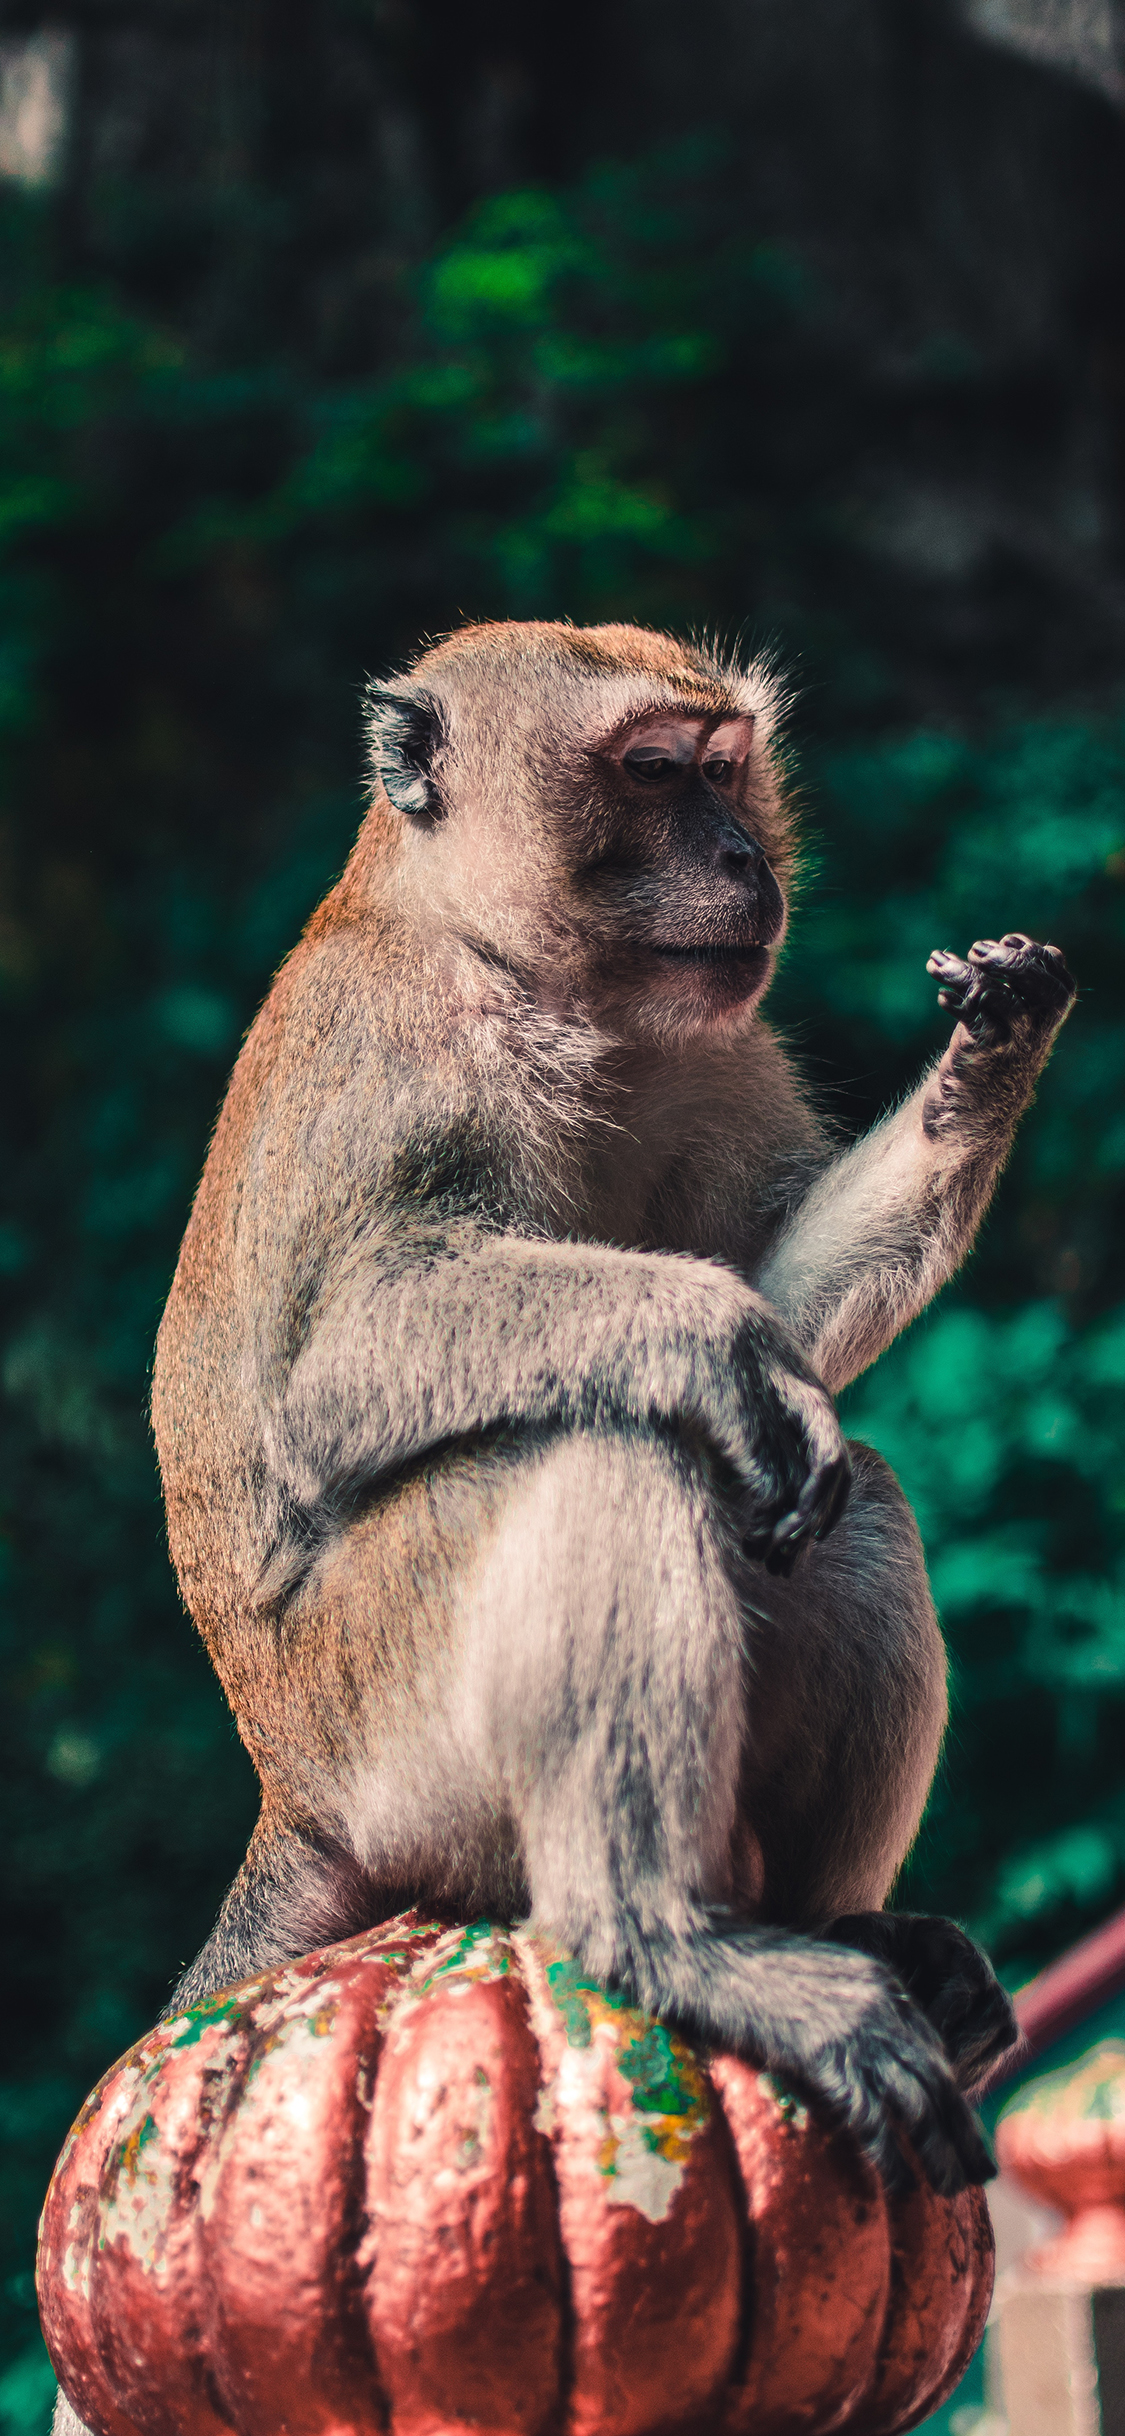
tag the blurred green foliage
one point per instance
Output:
(602, 401)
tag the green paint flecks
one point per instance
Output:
(201, 2017)
(663, 2075)
(478, 1953)
(572, 1989)
(137, 2141)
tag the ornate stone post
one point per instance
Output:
(1057, 2337)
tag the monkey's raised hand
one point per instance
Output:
(1011, 996)
(888, 1222)
(1006, 986)
(948, 1976)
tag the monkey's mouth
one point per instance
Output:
(726, 953)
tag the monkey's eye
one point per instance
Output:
(647, 762)
(719, 772)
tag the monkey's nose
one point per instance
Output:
(737, 849)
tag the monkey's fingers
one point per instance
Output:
(817, 1511)
(839, 2025)
(947, 1976)
(891, 2084)
(801, 1467)
(1015, 943)
(1037, 976)
(907, 2102)
(1002, 984)
(837, 1497)
(979, 995)
(959, 983)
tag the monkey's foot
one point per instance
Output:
(948, 1976)
(829, 2019)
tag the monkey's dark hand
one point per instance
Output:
(832, 2021)
(1006, 986)
(798, 1473)
(948, 1976)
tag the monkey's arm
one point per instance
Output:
(497, 1332)
(887, 1223)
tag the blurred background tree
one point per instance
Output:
(326, 326)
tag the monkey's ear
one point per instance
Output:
(405, 734)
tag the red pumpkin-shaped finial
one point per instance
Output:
(437, 2178)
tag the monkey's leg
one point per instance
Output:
(604, 1676)
(846, 1708)
(296, 1890)
(845, 1723)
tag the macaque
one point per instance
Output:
(494, 1393)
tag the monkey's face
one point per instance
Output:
(683, 911)
(594, 812)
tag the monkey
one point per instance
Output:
(494, 1394)
(494, 1397)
